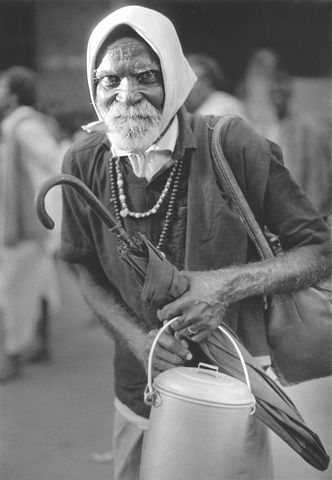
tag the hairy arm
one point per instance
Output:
(124, 326)
(286, 213)
(202, 307)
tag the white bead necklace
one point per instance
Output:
(122, 197)
(176, 170)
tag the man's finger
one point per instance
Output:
(168, 346)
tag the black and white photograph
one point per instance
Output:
(165, 239)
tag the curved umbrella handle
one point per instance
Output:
(87, 195)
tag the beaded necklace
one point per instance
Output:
(120, 205)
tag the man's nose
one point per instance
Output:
(129, 92)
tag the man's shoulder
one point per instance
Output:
(81, 156)
(87, 143)
(234, 128)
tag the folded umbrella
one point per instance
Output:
(162, 283)
(273, 406)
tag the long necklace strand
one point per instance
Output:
(113, 198)
(124, 208)
(124, 211)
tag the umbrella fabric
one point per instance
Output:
(163, 283)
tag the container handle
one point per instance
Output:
(150, 394)
(209, 369)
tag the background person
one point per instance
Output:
(305, 142)
(150, 164)
(254, 89)
(208, 94)
(29, 154)
(267, 92)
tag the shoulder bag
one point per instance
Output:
(298, 325)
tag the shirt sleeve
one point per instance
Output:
(77, 245)
(288, 212)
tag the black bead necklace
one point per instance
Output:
(119, 201)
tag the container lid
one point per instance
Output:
(206, 386)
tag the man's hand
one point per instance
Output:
(169, 352)
(202, 307)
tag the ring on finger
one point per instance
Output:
(192, 332)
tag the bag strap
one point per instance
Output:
(224, 171)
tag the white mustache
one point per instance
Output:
(133, 127)
(142, 110)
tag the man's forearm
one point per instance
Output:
(294, 270)
(211, 292)
(111, 311)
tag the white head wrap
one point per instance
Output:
(159, 32)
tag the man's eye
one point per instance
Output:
(108, 81)
(150, 76)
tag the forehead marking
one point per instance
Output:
(127, 48)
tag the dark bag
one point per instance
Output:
(299, 325)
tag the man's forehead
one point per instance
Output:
(127, 47)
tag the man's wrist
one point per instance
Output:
(238, 283)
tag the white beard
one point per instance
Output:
(134, 128)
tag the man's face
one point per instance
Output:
(130, 94)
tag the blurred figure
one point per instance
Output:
(305, 142)
(28, 281)
(267, 92)
(207, 95)
(255, 89)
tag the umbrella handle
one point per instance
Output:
(89, 198)
(151, 397)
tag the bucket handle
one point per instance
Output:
(151, 396)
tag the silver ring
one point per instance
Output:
(193, 332)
